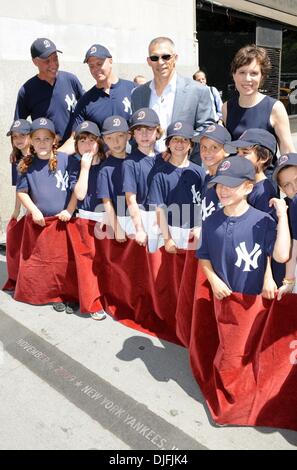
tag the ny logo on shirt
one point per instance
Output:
(196, 195)
(207, 210)
(71, 102)
(126, 102)
(250, 259)
(62, 180)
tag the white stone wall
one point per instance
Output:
(124, 26)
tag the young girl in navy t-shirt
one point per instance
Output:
(89, 146)
(43, 183)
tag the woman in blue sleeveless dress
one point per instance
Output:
(250, 108)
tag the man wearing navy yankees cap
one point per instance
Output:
(238, 239)
(110, 96)
(51, 93)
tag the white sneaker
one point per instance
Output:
(101, 315)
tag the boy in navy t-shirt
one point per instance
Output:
(115, 133)
(138, 167)
(212, 141)
(259, 146)
(285, 174)
(238, 239)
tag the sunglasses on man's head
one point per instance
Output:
(155, 58)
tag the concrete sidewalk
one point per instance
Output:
(69, 382)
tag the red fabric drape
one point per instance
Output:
(242, 349)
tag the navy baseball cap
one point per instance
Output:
(252, 137)
(43, 123)
(114, 124)
(87, 126)
(20, 126)
(233, 171)
(214, 132)
(180, 129)
(289, 159)
(145, 117)
(43, 48)
(97, 51)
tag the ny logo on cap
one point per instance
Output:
(84, 125)
(211, 128)
(116, 122)
(93, 50)
(283, 159)
(141, 115)
(43, 122)
(178, 126)
(46, 43)
(225, 165)
(17, 124)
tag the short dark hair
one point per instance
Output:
(247, 54)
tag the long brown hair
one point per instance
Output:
(27, 161)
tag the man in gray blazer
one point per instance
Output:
(172, 96)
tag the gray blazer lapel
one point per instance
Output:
(179, 98)
(146, 95)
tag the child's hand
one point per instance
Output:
(141, 238)
(120, 235)
(285, 289)
(15, 214)
(86, 160)
(269, 288)
(64, 215)
(220, 289)
(279, 205)
(38, 218)
(170, 246)
(194, 235)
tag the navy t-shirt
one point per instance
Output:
(37, 98)
(181, 189)
(138, 169)
(260, 196)
(97, 105)
(210, 201)
(50, 191)
(238, 247)
(91, 201)
(110, 184)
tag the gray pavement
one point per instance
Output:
(68, 382)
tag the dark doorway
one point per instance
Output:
(220, 33)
